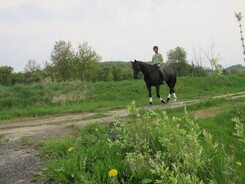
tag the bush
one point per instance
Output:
(151, 148)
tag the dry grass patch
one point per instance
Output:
(208, 112)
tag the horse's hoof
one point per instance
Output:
(150, 103)
(163, 101)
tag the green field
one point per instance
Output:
(72, 97)
(153, 146)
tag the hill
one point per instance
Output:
(70, 97)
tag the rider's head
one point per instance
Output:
(155, 48)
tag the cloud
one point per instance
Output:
(117, 29)
(5, 4)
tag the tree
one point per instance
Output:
(33, 71)
(5, 74)
(86, 62)
(67, 64)
(18, 78)
(177, 60)
(62, 57)
(32, 66)
(176, 55)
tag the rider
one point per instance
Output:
(158, 60)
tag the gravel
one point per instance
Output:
(18, 163)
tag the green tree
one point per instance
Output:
(33, 71)
(5, 74)
(18, 78)
(32, 66)
(86, 60)
(62, 58)
(177, 60)
(67, 64)
(106, 74)
(177, 55)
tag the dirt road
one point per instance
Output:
(18, 161)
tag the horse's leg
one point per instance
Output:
(171, 90)
(169, 95)
(149, 92)
(175, 97)
(158, 94)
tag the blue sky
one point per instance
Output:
(119, 29)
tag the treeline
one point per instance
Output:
(83, 63)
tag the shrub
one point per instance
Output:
(151, 148)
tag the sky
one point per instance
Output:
(120, 30)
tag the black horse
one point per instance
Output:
(152, 78)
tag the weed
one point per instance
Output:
(3, 138)
(25, 141)
(152, 147)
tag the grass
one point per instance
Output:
(95, 116)
(74, 97)
(93, 155)
(220, 125)
(25, 141)
(2, 138)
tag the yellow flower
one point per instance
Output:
(96, 130)
(239, 163)
(113, 172)
(70, 149)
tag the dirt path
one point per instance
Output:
(18, 161)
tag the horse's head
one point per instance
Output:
(136, 69)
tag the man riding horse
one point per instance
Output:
(155, 75)
(158, 61)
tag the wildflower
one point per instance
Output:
(239, 163)
(70, 149)
(96, 130)
(113, 172)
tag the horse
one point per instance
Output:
(152, 78)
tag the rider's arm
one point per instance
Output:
(161, 59)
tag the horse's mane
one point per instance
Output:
(153, 67)
(144, 63)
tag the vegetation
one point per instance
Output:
(151, 147)
(239, 17)
(177, 60)
(82, 64)
(202, 145)
(69, 97)
(5, 73)
(67, 64)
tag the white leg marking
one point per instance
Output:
(151, 99)
(169, 95)
(175, 97)
(160, 99)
